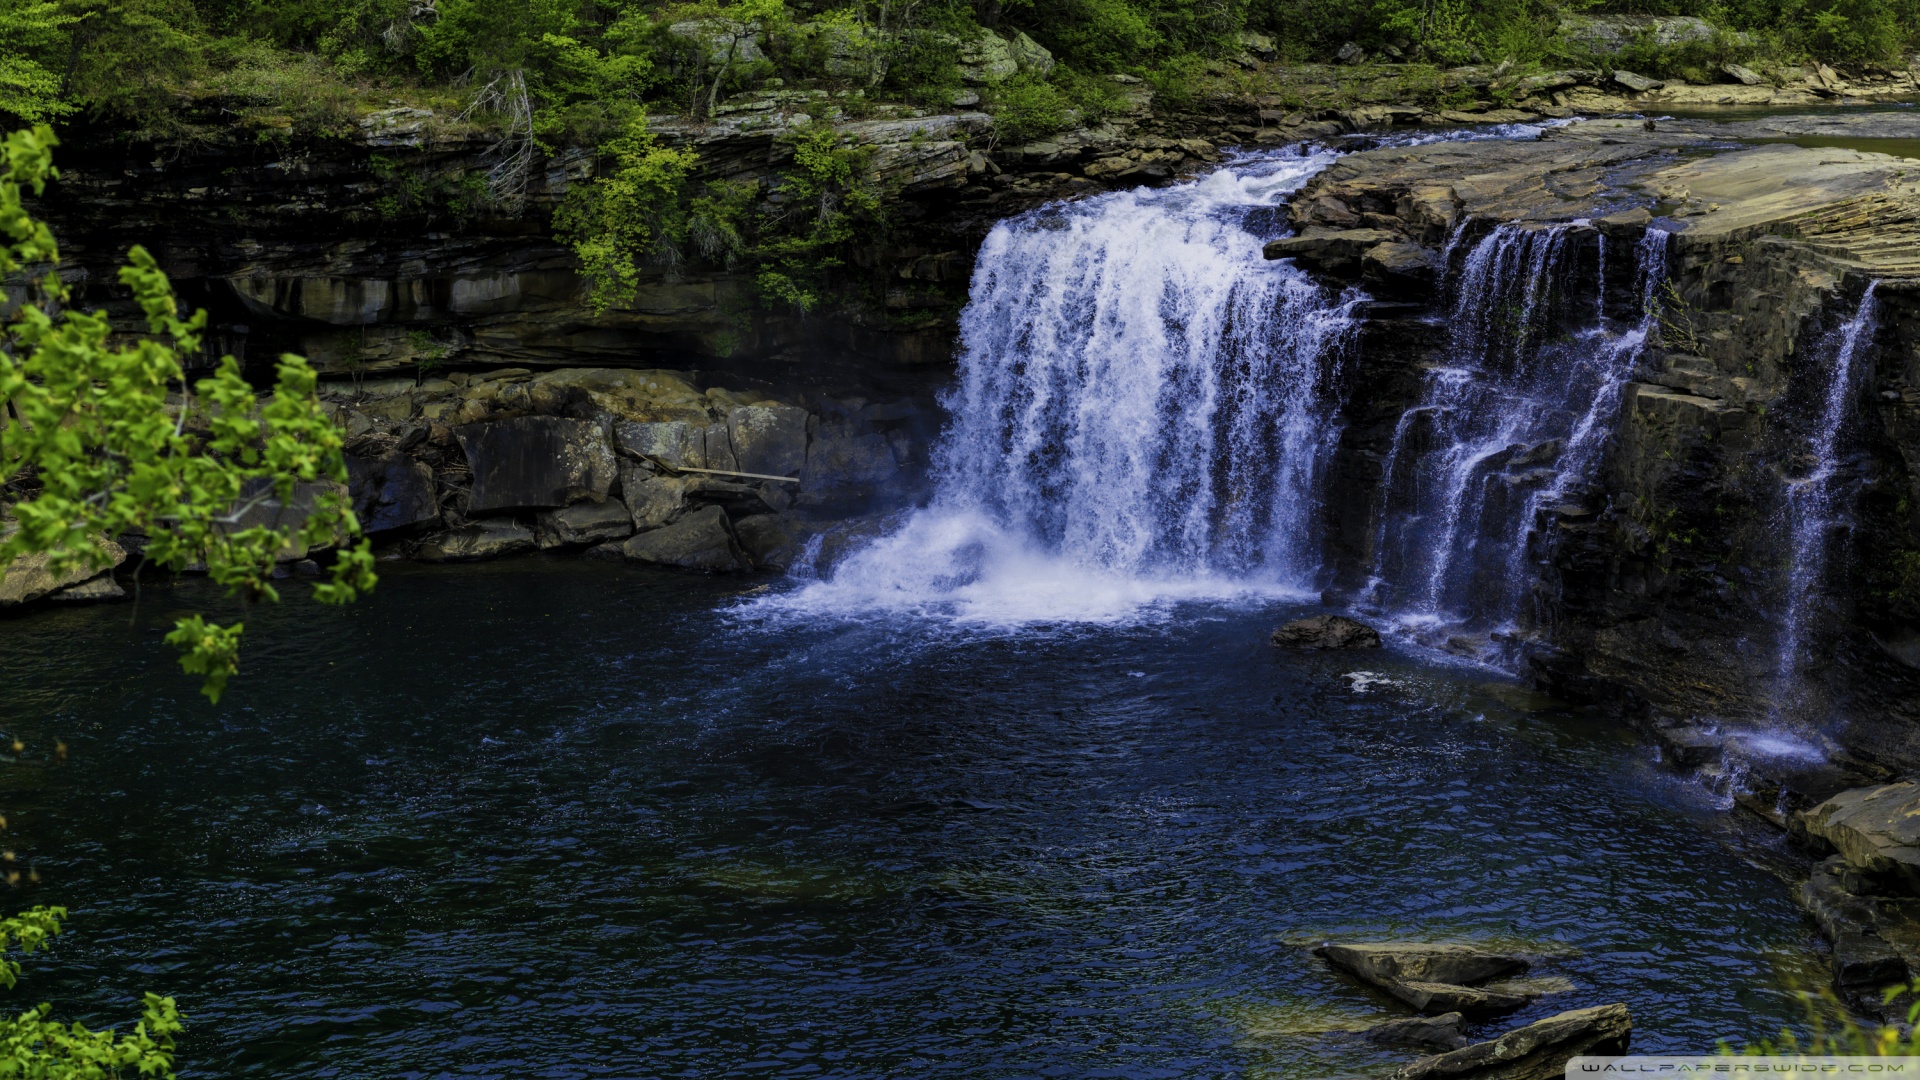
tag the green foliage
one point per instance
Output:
(31, 32)
(815, 209)
(35, 1048)
(1025, 107)
(89, 430)
(615, 223)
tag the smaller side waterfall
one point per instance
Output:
(1512, 421)
(1813, 505)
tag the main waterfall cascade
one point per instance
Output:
(1147, 409)
(1144, 412)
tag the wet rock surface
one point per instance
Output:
(1432, 979)
(1538, 1051)
(1326, 632)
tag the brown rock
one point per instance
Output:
(1332, 632)
(1538, 1051)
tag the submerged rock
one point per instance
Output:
(1442, 997)
(700, 540)
(1538, 1051)
(1330, 632)
(1433, 978)
(488, 539)
(1421, 1032)
(91, 591)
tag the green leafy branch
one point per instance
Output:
(213, 478)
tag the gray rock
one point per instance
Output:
(675, 443)
(652, 501)
(767, 541)
(841, 461)
(1031, 57)
(700, 540)
(1609, 34)
(984, 60)
(487, 539)
(723, 40)
(1742, 74)
(1626, 223)
(1538, 1051)
(768, 439)
(533, 462)
(29, 577)
(1443, 997)
(1333, 632)
(1385, 962)
(391, 492)
(1874, 939)
(1637, 83)
(91, 591)
(260, 507)
(1333, 250)
(1421, 1032)
(719, 444)
(583, 523)
(1351, 53)
(1875, 829)
(1398, 264)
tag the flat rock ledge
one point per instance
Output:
(1865, 896)
(1433, 979)
(1538, 1051)
(1325, 632)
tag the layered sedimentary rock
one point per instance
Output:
(1663, 575)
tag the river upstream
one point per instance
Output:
(559, 819)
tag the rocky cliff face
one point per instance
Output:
(1664, 582)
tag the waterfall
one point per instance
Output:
(1814, 510)
(1512, 421)
(1143, 411)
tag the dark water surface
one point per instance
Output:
(559, 819)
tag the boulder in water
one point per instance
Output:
(583, 523)
(488, 539)
(1433, 979)
(1421, 1032)
(1538, 1051)
(1875, 829)
(700, 540)
(1434, 998)
(1327, 632)
(1387, 962)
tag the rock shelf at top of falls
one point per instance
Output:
(1857, 208)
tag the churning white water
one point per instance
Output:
(1142, 415)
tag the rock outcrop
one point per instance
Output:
(1432, 979)
(1538, 1051)
(1325, 632)
(1657, 574)
(31, 577)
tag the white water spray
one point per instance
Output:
(1143, 412)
